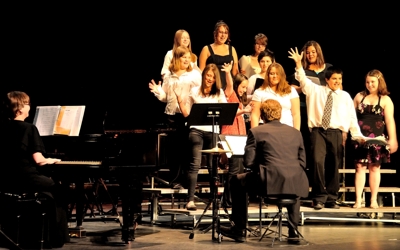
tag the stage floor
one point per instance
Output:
(320, 234)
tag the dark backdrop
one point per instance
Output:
(103, 56)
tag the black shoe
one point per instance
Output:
(233, 233)
(293, 237)
(319, 205)
(332, 205)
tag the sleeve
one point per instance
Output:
(293, 93)
(163, 89)
(257, 96)
(222, 97)
(354, 128)
(32, 141)
(250, 152)
(243, 62)
(307, 86)
(250, 86)
(167, 62)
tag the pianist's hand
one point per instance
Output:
(154, 87)
(49, 161)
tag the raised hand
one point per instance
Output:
(154, 87)
(227, 67)
(294, 54)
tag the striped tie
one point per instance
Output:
(326, 117)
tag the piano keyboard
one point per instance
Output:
(87, 163)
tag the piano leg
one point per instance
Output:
(131, 199)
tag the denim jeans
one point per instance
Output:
(198, 140)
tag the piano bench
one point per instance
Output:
(24, 219)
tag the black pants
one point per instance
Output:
(250, 182)
(327, 153)
(235, 167)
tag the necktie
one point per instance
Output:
(326, 117)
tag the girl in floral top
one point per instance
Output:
(375, 117)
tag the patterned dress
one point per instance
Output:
(372, 124)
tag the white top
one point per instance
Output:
(343, 114)
(261, 95)
(167, 62)
(196, 97)
(251, 85)
(245, 64)
(182, 84)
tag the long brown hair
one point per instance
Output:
(216, 87)
(320, 56)
(283, 87)
(382, 87)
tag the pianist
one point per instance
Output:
(21, 153)
(275, 153)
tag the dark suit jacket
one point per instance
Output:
(276, 152)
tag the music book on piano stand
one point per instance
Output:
(59, 120)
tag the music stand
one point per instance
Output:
(213, 114)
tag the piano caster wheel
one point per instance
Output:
(220, 237)
(191, 235)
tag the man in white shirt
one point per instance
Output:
(328, 130)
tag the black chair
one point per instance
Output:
(280, 201)
(24, 219)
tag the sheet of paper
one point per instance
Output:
(45, 118)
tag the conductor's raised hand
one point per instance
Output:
(154, 87)
(227, 67)
(294, 54)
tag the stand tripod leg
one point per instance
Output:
(199, 220)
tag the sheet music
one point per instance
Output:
(236, 144)
(45, 118)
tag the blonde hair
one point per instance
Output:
(270, 110)
(176, 62)
(15, 101)
(177, 43)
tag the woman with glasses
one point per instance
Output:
(249, 64)
(220, 52)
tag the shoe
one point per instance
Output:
(319, 205)
(177, 186)
(293, 237)
(191, 206)
(233, 233)
(332, 205)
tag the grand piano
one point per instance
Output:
(108, 149)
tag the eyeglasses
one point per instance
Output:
(260, 45)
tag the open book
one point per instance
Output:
(61, 120)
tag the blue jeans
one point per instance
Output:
(198, 140)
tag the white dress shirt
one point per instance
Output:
(182, 84)
(343, 115)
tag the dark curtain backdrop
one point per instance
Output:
(103, 56)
